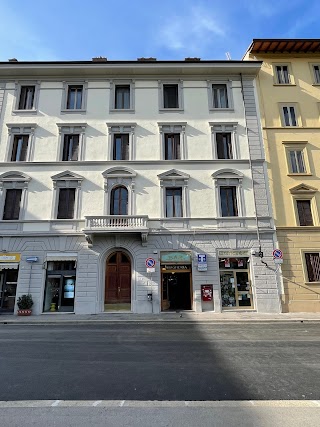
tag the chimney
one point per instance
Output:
(151, 59)
(13, 60)
(192, 59)
(99, 59)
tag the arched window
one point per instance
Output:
(119, 201)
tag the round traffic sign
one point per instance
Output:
(150, 262)
(277, 253)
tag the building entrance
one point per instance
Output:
(118, 282)
(8, 288)
(176, 290)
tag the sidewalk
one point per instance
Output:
(182, 317)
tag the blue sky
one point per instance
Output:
(166, 29)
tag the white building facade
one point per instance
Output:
(134, 185)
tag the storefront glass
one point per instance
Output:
(60, 286)
(8, 288)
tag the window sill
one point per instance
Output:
(221, 109)
(284, 84)
(122, 110)
(73, 111)
(299, 174)
(169, 110)
(24, 111)
(315, 84)
(312, 283)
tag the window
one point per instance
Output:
(220, 96)
(121, 147)
(74, 97)
(66, 197)
(224, 145)
(173, 202)
(313, 266)
(20, 148)
(66, 203)
(119, 201)
(172, 146)
(228, 197)
(27, 98)
(171, 95)
(282, 73)
(316, 69)
(289, 115)
(70, 148)
(60, 286)
(12, 204)
(122, 97)
(174, 194)
(304, 212)
(297, 164)
(121, 141)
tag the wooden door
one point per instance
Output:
(118, 279)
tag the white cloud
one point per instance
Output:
(192, 31)
(19, 39)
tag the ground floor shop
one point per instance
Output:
(300, 268)
(171, 272)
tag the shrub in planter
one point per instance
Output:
(25, 303)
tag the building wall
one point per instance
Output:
(294, 240)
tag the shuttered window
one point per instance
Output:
(26, 101)
(313, 266)
(228, 197)
(70, 148)
(304, 212)
(282, 74)
(173, 202)
(224, 146)
(119, 201)
(66, 203)
(20, 148)
(170, 96)
(172, 146)
(74, 97)
(121, 146)
(12, 204)
(122, 97)
(220, 96)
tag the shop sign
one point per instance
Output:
(12, 257)
(231, 253)
(202, 267)
(206, 292)
(175, 267)
(176, 257)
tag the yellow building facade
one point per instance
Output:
(288, 88)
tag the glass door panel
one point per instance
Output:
(228, 291)
(8, 289)
(243, 289)
(52, 295)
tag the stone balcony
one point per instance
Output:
(116, 224)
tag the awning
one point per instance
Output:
(9, 265)
(61, 257)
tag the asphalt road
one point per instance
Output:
(160, 361)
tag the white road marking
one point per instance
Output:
(161, 403)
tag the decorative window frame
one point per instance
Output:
(171, 179)
(313, 74)
(20, 129)
(115, 128)
(69, 129)
(113, 84)
(178, 82)
(65, 88)
(18, 86)
(229, 177)
(297, 113)
(297, 145)
(304, 264)
(305, 192)
(115, 177)
(228, 84)
(66, 179)
(173, 127)
(290, 73)
(230, 127)
(14, 180)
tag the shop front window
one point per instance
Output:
(60, 286)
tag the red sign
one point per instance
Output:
(206, 292)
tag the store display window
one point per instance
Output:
(60, 286)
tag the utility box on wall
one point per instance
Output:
(207, 298)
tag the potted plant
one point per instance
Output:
(25, 303)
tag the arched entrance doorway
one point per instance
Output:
(118, 282)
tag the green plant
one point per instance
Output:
(25, 302)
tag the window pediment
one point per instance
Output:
(14, 176)
(119, 172)
(173, 174)
(303, 189)
(67, 176)
(227, 174)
